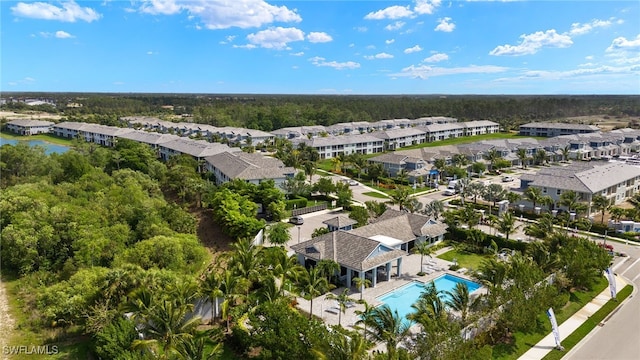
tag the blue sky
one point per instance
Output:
(321, 47)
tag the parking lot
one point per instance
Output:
(312, 221)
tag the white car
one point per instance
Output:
(507, 179)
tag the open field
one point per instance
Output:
(604, 122)
(32, 115)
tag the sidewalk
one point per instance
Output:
(547, 344)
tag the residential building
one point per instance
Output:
(394, 162)
(550, 129)
(29, 127)
(198, 149)
(99, 134)
(332, 146)
(614, 180)
(436, 132)
(252, 168)
(399, 138)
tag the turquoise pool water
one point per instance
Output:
(49, 148)
(402, 298)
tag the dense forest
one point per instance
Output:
(269, 112)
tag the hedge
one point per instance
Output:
(461, 235)
(297, 203)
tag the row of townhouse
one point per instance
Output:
(380, 141)
(232, 135)
(614, 180)
(552, 129)
(617, 144)
(226, 163)
(29, 127)
(359, 127)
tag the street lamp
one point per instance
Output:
(521, 206)
(298, 233)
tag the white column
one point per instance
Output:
(399, 266)
(348, 278)
(374, 276)
(388, 265)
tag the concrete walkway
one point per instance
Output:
(547, 344)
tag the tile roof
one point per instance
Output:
(402, 225)
(340, 221)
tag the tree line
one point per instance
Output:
(269, 112)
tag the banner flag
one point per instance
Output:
(612, 282)
(554, 326)
(259, 239)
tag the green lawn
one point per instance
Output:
(469, 139)
(524, 341)
(43, 137)
(375, 195)
(465, 259)
(572, 340)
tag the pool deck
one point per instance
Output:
(410, 268)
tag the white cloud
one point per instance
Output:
(395, 26)
(68, 11)
(63, 35)
(361, 29)
(320, 61)
(245, 46)
(445, 25)
(581, 29)
(276, 38)
(319, 37)
(352, 45)
(413, 49)
(426, 6)
(425, 71)
(379, 56)
(532, 43)
(223, 14)
(589, 57)
(297, 54)
(390, 41)
(392, 12)
(621, 43)
(437, 57)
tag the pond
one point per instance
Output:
(50, 148)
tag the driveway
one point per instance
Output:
(312, 221)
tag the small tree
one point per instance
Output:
(359, 214)
(424, 249)
(279, 234)
(343, 299)
(600, 203)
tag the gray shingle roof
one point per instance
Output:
(402, 226)
(583, 177)
(150, 138)
(29, 123)
(245, 166)
(395, 158)
(398, 133)
(558, 125)
(197, 148)
(352, 251)
(340, 221)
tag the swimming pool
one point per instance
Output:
(402, 298)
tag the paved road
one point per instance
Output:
(619, 337)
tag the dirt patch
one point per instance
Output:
(6, 321)
(604, 122)
(210, 233)
(32, 115)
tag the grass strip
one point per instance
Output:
(583, 330)
(375, 195)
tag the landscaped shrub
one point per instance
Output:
(297, 203)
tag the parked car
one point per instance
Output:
(296, 220)
(507, 179)
(353, 183)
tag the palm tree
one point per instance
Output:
(167, 325)
(513, 197)
(402, 176)
(601, 203)
(440, 164)
(309, 168)
(522, 155)
(507, 224)
(460, 301)
(565, 153)
(492, 156)
(540, 157)
(350, 346)
(424, 249)
(313, 284)
(328, 268)
(543, 228)
(210, 287)
(364, 316)
(201, 346)
(230, 284)
(429, 310)
(434, 209)
(359, 163)
(343, 299)
(460, 160)
(533, 194)
(616, 213)
(387, 326)
(475, 189)
(571, 200)
(462, 185)
(246, 260)
(337, 163)
(361, 283)
(285, 267)
(493, 275)
(493, 193)
(400, 197)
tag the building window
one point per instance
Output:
(558, 192)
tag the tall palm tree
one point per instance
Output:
(364, 316)
(434, 209)
(313, 284)
(463, 185)
(400, 196)
(285, 267)
(492, 156)
(309, 168)
(522, 156)
(565, 153)
(493, 193)
(424, 249)
(475, 190)
(359, 163)
(533, 194)
(542, 228)
(328, 268)
(617, 213)
(429, 310)
(440, 164)
(388, 327)
(246, 260)
(540, 157)
(203, 345)
(361, 283)
(571, 200)
(460, 301)
(460, 160)
(602, 204)
(507, 224)
(351, 346)
(492, 274)
(230, 286)
(210, 287)
(342, 299)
